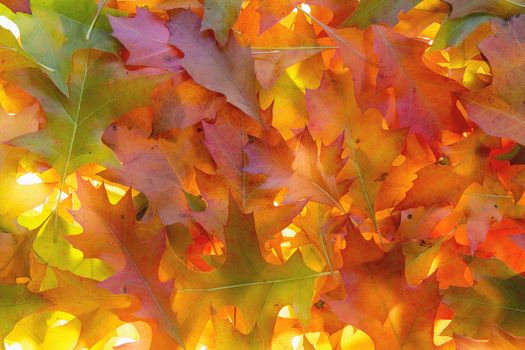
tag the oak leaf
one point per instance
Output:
(146, 38)
(184, 104)
(258, 289)
(380, 302)
(378, 12)
(55, 31)
(493, 301)
(220, 16)
(228, 70)
(17, 302)
(425, 100)
(296, 165)
(114, 227)
(498, 109)
(101, 91)
(95, 307)
(149, 165)
(502, 8)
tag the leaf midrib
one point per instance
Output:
(135, 267)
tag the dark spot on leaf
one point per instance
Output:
(382, 177)
(320, 304)
(444, 160)
(483, 150)
(357, 141)
(114, 127)
(409, 216)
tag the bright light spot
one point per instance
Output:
(29, 179)
(275, 203)
(296, 341)
(203, 347)
(288, 232)
(14, 346)
(63, 196)
(122, 340)
(59, 323)
(287, 244)
(39, 209)
(286, 312)
(306, 8)
(117, 190)
(95, 182)
(6, 23)
(427, 39)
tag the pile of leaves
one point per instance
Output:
(262, 174)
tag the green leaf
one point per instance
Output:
(378, 11)
(495, 299)
(195, 203)
(453, 31)
(54, 31)
(258, 289)
(501, 8)
(52, 248)
(16, 302)
(515, 156)
(101, 91)
(220, 16)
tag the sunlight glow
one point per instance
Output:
(59, 323)
(296, 341)
(14, 346)
(123, 340)
(29, 179)
(6, 23)
(39, 209)
(287, 244)
(288, 232)
(286, 312)
(95, 183)
(63, 196)
(306, 8)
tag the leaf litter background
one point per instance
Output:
(264, 174)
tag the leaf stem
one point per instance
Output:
(249, 284)
(100, 6)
